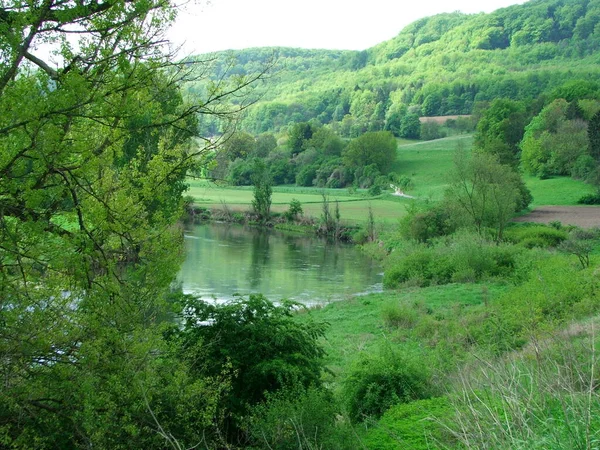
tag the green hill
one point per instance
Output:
(438, 65)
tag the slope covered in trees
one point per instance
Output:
(438, 65)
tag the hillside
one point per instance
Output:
(440, 65)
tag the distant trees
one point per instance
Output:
(377, 148)
(501, 129)
(553, 143)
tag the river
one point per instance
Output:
(223, 260)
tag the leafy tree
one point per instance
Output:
(265, 144)
(298, 136)
(410, 127)
(93, 165)
(261, 202)
(377, 147)
(259, 343)
(552, 143)
(485, 192)
(500, 130)
(594, 137)
(238, 145)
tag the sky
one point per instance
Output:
(207, 26)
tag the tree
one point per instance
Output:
(410, 127)
(258, 342)
(93, 165)
(485, 192)
(500, 130)
(262, 191)
(376, 147)
(298, 135)
(552, 143)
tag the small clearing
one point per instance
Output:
(581, 216)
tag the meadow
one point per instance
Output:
(426, 163)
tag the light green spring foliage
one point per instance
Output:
(92, 161)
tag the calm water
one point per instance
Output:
(222, 260)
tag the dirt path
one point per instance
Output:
(582, 216)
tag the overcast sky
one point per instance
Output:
(326, 24)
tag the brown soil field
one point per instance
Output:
(581, 216)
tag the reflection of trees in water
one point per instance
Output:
(259, 257)
(226, 259)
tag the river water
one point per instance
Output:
(223, 260)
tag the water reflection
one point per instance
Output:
(222, 260)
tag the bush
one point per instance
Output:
(590, 199)
(417, 425)
(459, 258)
(294, 210)
(259, 343)
(376, 383)
(399, 316)
(422, 226)
(531, 236)
(294, 419)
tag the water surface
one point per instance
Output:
(222, 260)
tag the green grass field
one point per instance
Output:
(354, 208)
(428, 164)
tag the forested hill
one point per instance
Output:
(439, 65)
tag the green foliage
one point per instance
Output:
(530, 236)
(257, 342)
(459, 258)
(417, 425)
(294, 210)
(298, 418)
(96, 146)
(425, 224)
(378, 148)
(261, 202)
(500, 130)
(377, 382)
(553, 144)
(485, 192)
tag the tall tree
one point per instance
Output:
(93, 155)
(500, 130)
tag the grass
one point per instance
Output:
(556, 191)
(357, 325)
(353, 207)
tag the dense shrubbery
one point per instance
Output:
(377, 382)
(531, 235)
(296, 418)
(459, 258)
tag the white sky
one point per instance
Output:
(328, 24)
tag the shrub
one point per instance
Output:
(423, 226)
(399, 316)
(417, 425)
(590, 199)
(376, 383)
(294, 210)
(294, 419)
(459, 258)
(531, 236)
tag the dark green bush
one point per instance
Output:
(293, 419)
(590, 199)
(376, 383)
(530, 236)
